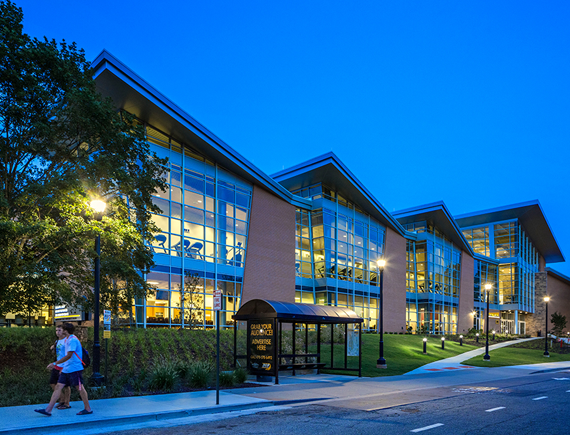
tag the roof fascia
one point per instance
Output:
(433, 208)
(107, 62)
(558, 275)
(331, 158)
(519, 211)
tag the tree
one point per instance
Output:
(192, 301)
(62, 144)
(558, 323)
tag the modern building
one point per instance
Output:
(314, 234)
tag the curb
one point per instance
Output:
(57, 426)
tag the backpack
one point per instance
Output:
(84, 358)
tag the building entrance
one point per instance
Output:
(508, 326)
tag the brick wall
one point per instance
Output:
(270, 256)
(464, 316)
(559, 292)
(395, 283)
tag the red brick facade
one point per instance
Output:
(270, 258)
(395, 283)
(464, 315)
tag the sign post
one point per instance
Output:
(106, 336)
(217, 308)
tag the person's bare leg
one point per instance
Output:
(54, 397)
(65, 396)
(83, 394)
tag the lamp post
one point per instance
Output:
(425, 346)
(477, 337)
(461, 340)
(96, 377)
(443, 342)
(381, 362)
(487, 357)
(546, 354)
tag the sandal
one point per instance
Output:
(63, 406)
(43, 411)
(84, 412)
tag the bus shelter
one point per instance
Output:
(266, 321)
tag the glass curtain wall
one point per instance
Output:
(338, 246)
(203, 226)
(433, 274)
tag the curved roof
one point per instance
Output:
(533, 219)
(328, 169)
(288, 311)
(439, 215)
(133, 94)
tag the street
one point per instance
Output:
(527, 404)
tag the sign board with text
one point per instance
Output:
(261, 358)
(66, 313)
(106, 317)
(217, 300)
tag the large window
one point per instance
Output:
(433, 275)
(337, 249)
(203, 222)
(478, 238)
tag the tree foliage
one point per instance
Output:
(61, 145)
(558, 323)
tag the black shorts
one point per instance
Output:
(54, 376)
(72, 379)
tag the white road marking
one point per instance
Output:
(561, 379)
(540, 398)
(427, 427)
(495, 409)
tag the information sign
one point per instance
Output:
(106, 317)
(261, 347)
(107, 333)
(67, 313)
(217, 300)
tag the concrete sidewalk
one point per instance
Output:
(124, 410)
(325, 389)
(454, 363)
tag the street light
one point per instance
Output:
(99, 207)
(425, 346)
(487, 357)
(461, 340)
(443, 342)
(546, 354)
(381, 362)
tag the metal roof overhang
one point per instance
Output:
(290, 312)
(565, 279)
(532, 218)
(438, 214)
(131, 93)
(329, 170)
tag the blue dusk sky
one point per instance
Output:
(465, 102)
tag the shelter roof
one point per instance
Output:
(291, 312)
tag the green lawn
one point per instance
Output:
(519, 354)
(403, 353)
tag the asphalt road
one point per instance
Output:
(528, 404)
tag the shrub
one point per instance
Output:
(163, 374)
(240, 375)
(227, 379)
(183, 368)
(201, 373)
